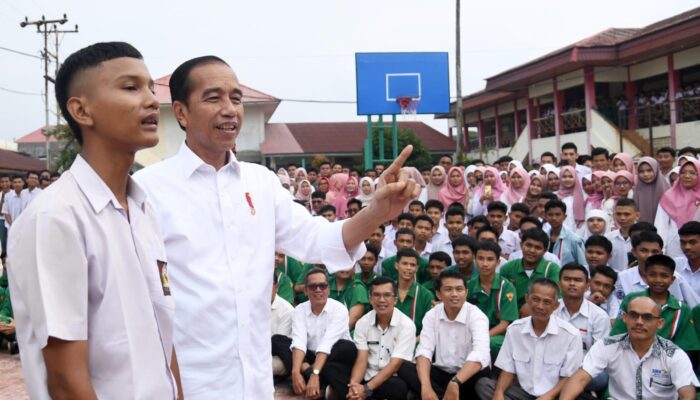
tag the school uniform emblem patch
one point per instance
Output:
(163, 274)
(509, 296)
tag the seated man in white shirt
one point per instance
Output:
(541, 350)
(641, 365)
(281, 324)
(385, 338)
(453, 353)
(591, 321)
(530, 222)
(320, 339)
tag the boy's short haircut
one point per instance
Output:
(555, 204)
(689, 149)
(543, 282)
(440, 256)
(425, 218)
(601, 151)
(55, 175)
(30, 173)
(549, 154)
(416, 202)
(324, 163)
(313, 271)
(600, 241)
(537, 235)
(382, 227)
(661, 260)
(533, 220)
(647, 237)
(405, 231)
(373, 249)
(573, 266)
(83, 59)
(487, 245)
(382, 280)
(625, 202)
(354, 201)
(408, 217)
(668, 150)
(487, 228)
(464, 240)
(641, 227)
(569, 145)
(318, 195)
(606, 271)
(310, 170)
(497, 206)
(327, 208)
(583, 158)
(456, 205)
(690, 228)
(454, 211)
(434, 204)
(549, 196)
(479, 219)
(403, 253)
(448, 274)
(522, 207)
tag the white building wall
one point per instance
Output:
(650, 68)
(686, 58)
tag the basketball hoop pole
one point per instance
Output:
(380, 127)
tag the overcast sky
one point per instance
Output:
(304, 49)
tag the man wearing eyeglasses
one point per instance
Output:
(321, 346)
(385, 338)
(640, 363)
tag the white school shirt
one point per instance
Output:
(454, 342)
(663, 370)
(396, 341)
(221, 229)
(621, 246)
(539, 362)
(693, 278)
(12, 206)
(611, 305)
(591, 321)
(630, 280)
(318, 333)
(508, 241)
(570, 221)
(547, 256)
(29, 196)
(83, 270)
(281, 317)
(668, 230)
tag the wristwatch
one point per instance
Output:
(368, 392)
(456, 380)
(316, 371)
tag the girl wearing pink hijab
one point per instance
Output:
(679, 205)
(492, 188)
(349, 190)
(594, 201)
(437, 181)
(336, 188)
(623, 161)
(455, 191)
(571, 193)
(519, 185)
(650, 187)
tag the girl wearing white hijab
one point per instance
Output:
(366, 191)
(597, 223)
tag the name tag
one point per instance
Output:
(163, 274)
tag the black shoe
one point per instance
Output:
(14, 347)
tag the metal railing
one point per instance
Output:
(688, 109)
(574, 120)
(544, 127)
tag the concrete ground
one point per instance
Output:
(12, 382)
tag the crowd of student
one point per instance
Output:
(577, 279)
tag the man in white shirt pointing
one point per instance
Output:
(222, 221)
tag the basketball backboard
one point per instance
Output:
(384, 78)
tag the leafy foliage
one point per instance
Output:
(70, 149)
(420, 158)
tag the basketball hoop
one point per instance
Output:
(409, 105)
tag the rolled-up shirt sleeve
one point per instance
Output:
(479, 330)
(336, 329)
(426, 346)
(299, 332)
(310, 239)
(53, 282)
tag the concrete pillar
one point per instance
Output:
(589, 91)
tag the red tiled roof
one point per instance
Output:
(343, 137)
(36, 136)
(249, 95)
(279, 140)
(14, 161)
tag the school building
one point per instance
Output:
(625, 89)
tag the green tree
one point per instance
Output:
(420, 158)
(70, 147)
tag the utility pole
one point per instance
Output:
(458, 104)
(42, 26)
(56, 58)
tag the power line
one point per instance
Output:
(19, 92)
(20, 52)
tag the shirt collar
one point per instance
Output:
(191, 162)
(552, 327)
(584, 310)
(97, 191)
(461, 316)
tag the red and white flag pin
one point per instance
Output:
(249, 199)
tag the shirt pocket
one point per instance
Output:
(522, 362)
(554, 358)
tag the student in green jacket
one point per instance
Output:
(463, 249)
(352, 293)
(367, 264)
(405, 239)
(495, 296)
(414, 300)
(532, 266)
(678, 323)
(437, 262)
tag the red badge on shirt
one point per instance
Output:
(163, 274)
(249, 199)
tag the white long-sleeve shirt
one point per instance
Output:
(318, 333)
(221, 229)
